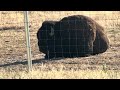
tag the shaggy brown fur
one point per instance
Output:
(72, 36)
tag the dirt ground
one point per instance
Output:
(13, 50)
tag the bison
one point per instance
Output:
(72, 36)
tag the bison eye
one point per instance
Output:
(52, 32)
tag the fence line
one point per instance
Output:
(28, 40)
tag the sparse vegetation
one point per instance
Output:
(13, 63)
(61, 74)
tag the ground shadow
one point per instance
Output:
(23, 63)
(36, 61)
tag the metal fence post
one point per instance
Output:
(26, 20)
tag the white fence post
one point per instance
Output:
(26, 20)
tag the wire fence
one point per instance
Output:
(12, 31)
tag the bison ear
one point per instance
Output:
(51, 32)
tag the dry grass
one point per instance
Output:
(13, 63)
(61, 74)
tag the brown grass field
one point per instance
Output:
(13, 54)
